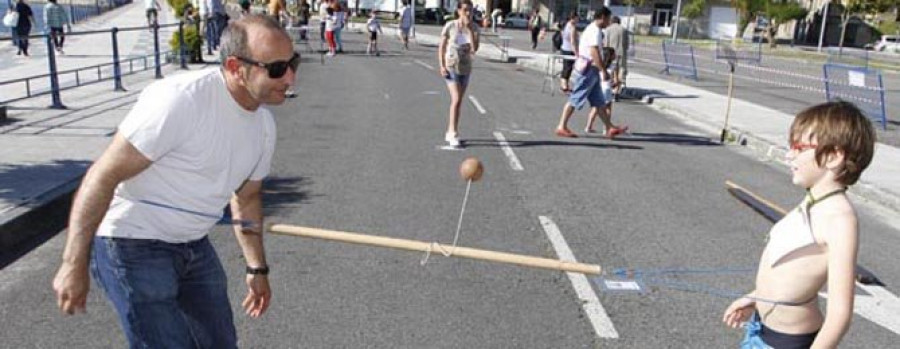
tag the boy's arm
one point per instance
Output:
(842, 239)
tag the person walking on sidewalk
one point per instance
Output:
(817, 243)
(458, 44)
(617, 39)
(152, 9)
(23, 28)
(586, 75)
(323, 15)
(191, 144)
(55, 19)
(216, 19)
(535, 24)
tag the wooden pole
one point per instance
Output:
(434, 247)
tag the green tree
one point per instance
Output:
(779, 12)
(692, 11)
(852, 8)
(747, 10)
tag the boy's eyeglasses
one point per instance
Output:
(800, 147)
(275, 69)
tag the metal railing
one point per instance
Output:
(104, 71)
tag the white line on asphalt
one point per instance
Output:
(880, 306)
(477, 105)
(426, 65)
(513, 159)
(603, 326)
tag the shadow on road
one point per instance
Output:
(491, 143)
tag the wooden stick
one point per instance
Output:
(765, 207)
(420, 246)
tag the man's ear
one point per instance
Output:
(232, 67)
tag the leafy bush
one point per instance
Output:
(888, 28)
(192, 41)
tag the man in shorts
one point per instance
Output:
(586, 75)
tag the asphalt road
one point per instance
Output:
(359, 151)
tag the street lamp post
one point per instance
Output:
(824, 23)
(677, 19)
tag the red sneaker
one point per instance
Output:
(562, 132)
(615, 131)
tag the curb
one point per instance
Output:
(41, 215)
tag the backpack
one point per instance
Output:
(557, 40)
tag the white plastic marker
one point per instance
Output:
(504, 145)
(426, 65)
(603, 326)
(477, 105)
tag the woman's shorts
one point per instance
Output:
(373, 36)
(567, 65)
(452, 78)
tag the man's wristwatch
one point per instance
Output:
(263, 270)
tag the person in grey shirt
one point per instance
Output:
(617, 39)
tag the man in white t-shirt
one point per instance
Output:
(152, 9)
(191, 145)
(586, 74)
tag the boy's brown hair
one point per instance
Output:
(838, 126)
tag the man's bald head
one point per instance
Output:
(235, 38)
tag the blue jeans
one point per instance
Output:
(337, 39)
(167, 295)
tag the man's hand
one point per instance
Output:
(258, 295)
(71, 285)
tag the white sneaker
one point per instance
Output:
(452, 139)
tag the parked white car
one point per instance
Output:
(889, 43)
(516, 20)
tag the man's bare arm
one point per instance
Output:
(119, 162)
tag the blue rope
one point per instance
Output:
(645, 276)
(220, 220)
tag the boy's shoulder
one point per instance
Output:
(833, 220)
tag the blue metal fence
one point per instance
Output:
(55, 81)
(679, 59)
(858, 85)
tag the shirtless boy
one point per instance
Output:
(816, 243)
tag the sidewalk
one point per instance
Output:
(45, 152)
(757, 127)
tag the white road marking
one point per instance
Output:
(504, 145)
(603, 326)
(477, 105)
(426, 65)
(430, 93)
(880, 307)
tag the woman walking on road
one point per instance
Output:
(459, 41)
(569, 48)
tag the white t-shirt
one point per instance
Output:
(566, 34)
(374, 25)
(151, 4)
(592, 36)
(329, 23)
(203, 146)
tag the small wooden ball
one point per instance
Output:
(471, 169)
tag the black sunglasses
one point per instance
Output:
(276, 69)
